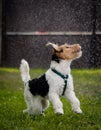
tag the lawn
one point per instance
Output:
(88, 90)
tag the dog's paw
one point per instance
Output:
(59, 112)
(78, 111)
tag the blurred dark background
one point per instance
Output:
(18, 16)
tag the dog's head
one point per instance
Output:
(67, 52)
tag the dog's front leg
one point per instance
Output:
(54, 98)
(70, 95)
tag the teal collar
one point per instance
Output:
(64, 77)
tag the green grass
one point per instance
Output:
(88, 90)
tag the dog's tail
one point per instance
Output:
(24, 69)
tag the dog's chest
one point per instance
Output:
(55, 82)
(39, 86)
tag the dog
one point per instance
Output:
(56, 82)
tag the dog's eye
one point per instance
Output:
(67, 47)
(61, 50)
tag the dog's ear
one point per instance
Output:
(55, 46)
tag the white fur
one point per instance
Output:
(24, 68)
(37, 104)
(56, 87)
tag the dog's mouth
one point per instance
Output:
(77, 52)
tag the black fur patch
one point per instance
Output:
(55, 58)
(39, 86)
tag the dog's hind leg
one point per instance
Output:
(34, 106)
(29, 109)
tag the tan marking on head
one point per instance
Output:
(67, 52)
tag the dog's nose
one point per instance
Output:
(78, 45)
(79, 49)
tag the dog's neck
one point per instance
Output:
(63, 66)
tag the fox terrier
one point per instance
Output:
(56, 82)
